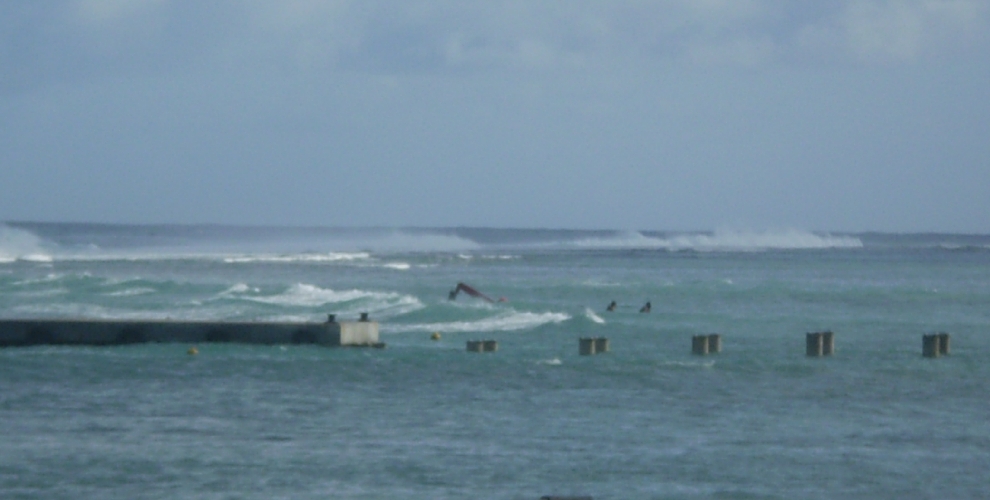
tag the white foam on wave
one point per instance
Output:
(725, 240)
(588, 313)
(130, 292)
(32, 281)
(238, 288)
(302, 257)
(50, 292)
(400, 266)
(505, 322)
(345, 302)
(551, 362)
(18, 244)
(302, 294)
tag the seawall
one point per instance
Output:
(27, 332)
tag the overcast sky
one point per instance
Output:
(668, 114)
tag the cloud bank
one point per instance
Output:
(54, 40)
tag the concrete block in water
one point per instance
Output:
(601, 345)
(350, 333)
(586, 346)
(814, 344)
(699, 345)
(930, 345)
(943, 343)
(482, 346)
(828, 343)
(714, 343)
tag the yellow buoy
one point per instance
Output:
(192, 351)
(435, 336)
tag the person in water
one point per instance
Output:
(646, 308)
(611, 307)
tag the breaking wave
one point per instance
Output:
(130, 292)
(724, 241)
(508, 321)
(18, 244)
(345, 302)
(588, 313)
(304, 257)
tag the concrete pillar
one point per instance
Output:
(601, 345)
(814, 344)
(489, 345)
(930, 345)
(586, 346)
(475, 346)
(828, 343)
(714, 343)
(943, 344)
(699, 345)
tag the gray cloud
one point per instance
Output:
(653, 114)
(65, 39)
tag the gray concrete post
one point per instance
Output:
(489, 345)
(699, 345)
(586, 346)
(929, 345)
(814, 344)
(714, 343)
(828, 343)
(943, 344)
(601, 345)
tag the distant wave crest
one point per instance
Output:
(791, 239)
(302, 257)
(18, 244)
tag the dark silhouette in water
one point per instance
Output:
(611, 307)
(468, 289)
(646, 308)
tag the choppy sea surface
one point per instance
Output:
(425, 419)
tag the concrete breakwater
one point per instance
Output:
(27, 332)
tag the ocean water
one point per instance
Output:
(424, 419)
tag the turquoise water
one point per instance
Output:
(425, 419)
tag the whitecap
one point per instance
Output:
(129, 292)
(588, 313)
(507, 321)
(237, 289)
(37, 258)
(551, 362)
(18, 244)
(294, 258)
(724, 240)
(346, 302)
(401, 266)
